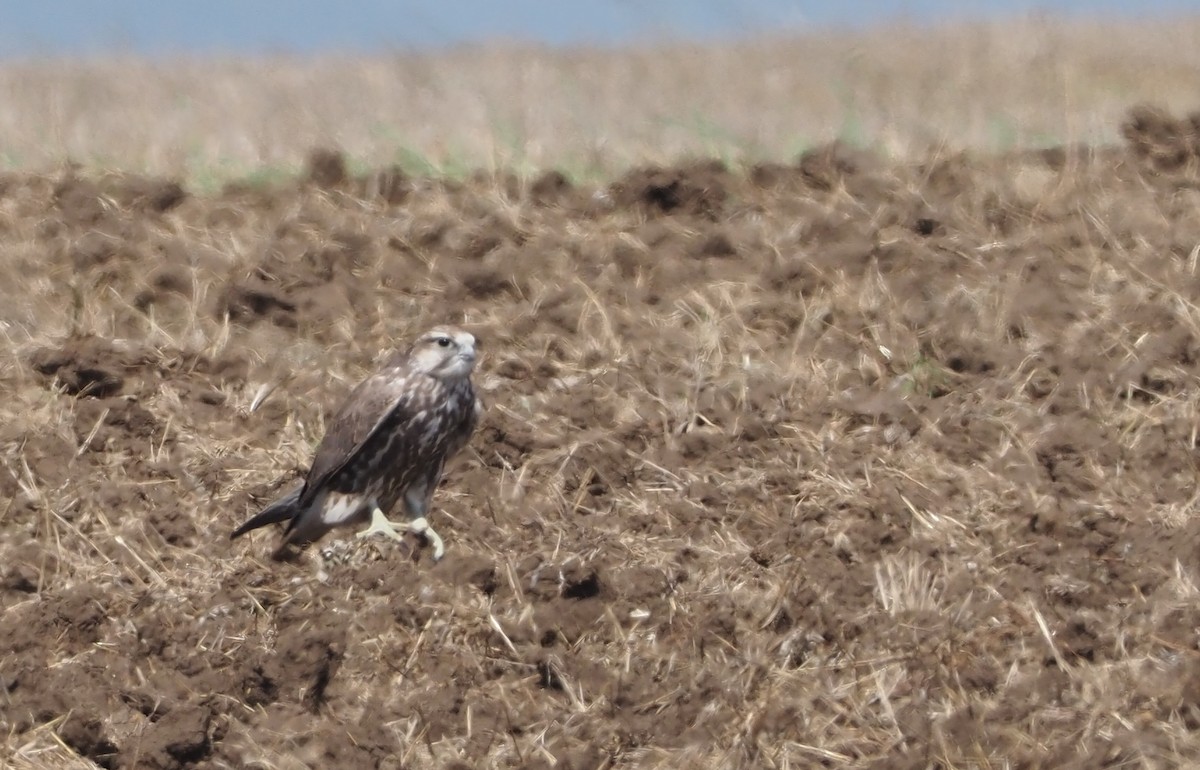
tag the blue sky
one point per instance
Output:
(84, 27)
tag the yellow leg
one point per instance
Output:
(381, 526)
(421, 526)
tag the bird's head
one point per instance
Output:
(444, 352)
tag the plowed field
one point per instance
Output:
(844, 463)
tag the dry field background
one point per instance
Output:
(593, 113)
(883, 456)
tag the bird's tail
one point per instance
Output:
(283, 509)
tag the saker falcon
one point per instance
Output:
(388, 443)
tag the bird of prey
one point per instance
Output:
(387, 444)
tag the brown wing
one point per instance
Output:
(364, 410)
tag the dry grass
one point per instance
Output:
(860, 463)
(593, 112)
(836, 491)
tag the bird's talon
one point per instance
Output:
(381, 526)
(435, 540)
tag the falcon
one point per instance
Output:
(387, 444)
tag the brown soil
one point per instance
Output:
(834, 463)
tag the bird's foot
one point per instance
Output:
(421, 526)
(381, 526)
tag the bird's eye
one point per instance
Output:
(443, 342)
